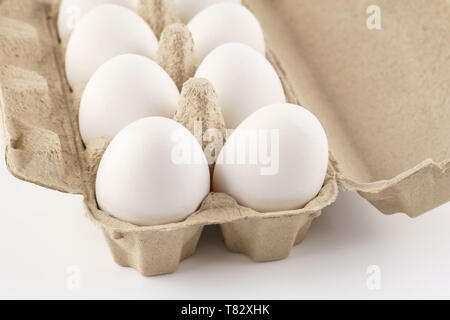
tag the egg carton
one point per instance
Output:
(43, 144)
(395, 155)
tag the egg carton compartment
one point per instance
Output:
(382, 95)
(43, 143)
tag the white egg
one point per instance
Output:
(275, 160)
(71, 11)
(223, 23)
(244, 80)
(103, 33)
(124, 89)
(154, 172)
(187, 9)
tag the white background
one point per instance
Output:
(43, 233)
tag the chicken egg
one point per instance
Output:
(227, 22)
(124, 89)
(105, 32)
(71, 11)
(153, 172)
(187, 9)
(275, 160)
(244, 81)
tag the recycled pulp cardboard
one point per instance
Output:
(381, 94)
(43, 145)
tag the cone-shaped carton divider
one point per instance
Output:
(158, 14)
(200, 113)
(94, 153)
(176, 53)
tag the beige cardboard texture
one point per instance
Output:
(383, 95)
(43, 144)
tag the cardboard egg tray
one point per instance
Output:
(393, 148)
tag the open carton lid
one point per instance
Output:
(381, 94)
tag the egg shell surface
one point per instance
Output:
(124, 89)
(244, 81)
(142, 179)
(283, 168)
(187, 9)
(71, 11)
(103, 33)
(223, 23)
